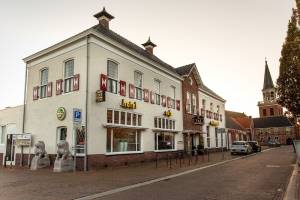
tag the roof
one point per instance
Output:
(231, 123)
(185, 70)
(270, 122)
(211, 92)
(118, 38)
(268, 82)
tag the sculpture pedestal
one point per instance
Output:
(38, 163)
(61, 165)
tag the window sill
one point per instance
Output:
(166, 150)
(124, 153)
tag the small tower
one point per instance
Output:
(269, 106)
(149, 46)
(104, 18)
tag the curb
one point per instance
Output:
(292, 190)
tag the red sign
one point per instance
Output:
(123, 88)
(146, 95)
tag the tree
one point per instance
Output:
(289, 72)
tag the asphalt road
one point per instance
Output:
(261, 177)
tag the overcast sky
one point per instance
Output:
(227, 39)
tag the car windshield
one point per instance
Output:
(238, 143)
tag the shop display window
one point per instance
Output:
(164, 141)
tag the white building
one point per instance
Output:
(141, 113)
(212, 107)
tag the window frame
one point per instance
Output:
(43, 86)
(68, 79)
(111, 80)
(157, 93)
(156, 146)
(138, 88)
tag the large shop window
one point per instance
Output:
(164, 123)
(44, 82)
(68, 76)
(123, 140)
(138, 82)
(118, 117)
(112, 73)
(164, 141)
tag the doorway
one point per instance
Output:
(10, 150)
(61, 134)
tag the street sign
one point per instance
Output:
(77, 115)
(22, 139)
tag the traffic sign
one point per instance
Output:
(77, 115)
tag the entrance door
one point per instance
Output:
(61, 134)
(10, 150)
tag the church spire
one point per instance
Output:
(268, 82)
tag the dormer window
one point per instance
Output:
(43, 83)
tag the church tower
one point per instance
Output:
(269, 106)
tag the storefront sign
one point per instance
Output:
(214, 123)
(23, 140)
(198, 120)
(128, 104)
(168, 113)
(61, 113)
(100, 96)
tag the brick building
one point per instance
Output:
(272, 125)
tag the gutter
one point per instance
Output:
(86, 100)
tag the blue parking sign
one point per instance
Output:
(77, 115)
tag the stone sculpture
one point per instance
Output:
(41, 158)
(64, 161)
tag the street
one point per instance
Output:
(261, 176)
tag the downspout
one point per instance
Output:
(24, 112)
(86, 100)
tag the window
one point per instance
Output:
(68, 78)
(218, 109)
(61, 134)
(123, 140)
(164, 123)
(123, 118)
(2, 134)
(43, 83)
(188, 102)
(211, 106)
(173, 96)
(194, 110)
(203, 104)
(190, 80)
(207, 136)
(264, 112)
(138, 82)
(271, 111)
(157, 91)
(164, 141)
(112, 76)
(216, 135)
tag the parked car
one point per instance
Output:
(241, 147)
(273, 143)
(255, 146)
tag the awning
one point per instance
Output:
(123, 126)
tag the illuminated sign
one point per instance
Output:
(214, 123)
(128, 104)
(61, 113)
(168, 113)
(100, 96)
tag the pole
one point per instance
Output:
(86, 103)
(75, 147)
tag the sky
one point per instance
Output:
(227, 39)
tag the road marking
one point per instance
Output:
(129, 187)
(273, 166)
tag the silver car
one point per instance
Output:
(240, 147)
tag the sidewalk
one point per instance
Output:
(293, 189)
(19, 183)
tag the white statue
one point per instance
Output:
(64, 161)
(41, 158)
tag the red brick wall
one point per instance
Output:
(282, 135)
(188, 123)
(277, 110)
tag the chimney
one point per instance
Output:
(104, 18)
(149, 46)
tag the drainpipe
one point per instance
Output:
(86, 101)
(24, 112)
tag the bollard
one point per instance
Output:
(180, 157)
(207, 155)
(196, 158)
(156, 164)
(297, 148)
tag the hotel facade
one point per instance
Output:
(111, 100)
